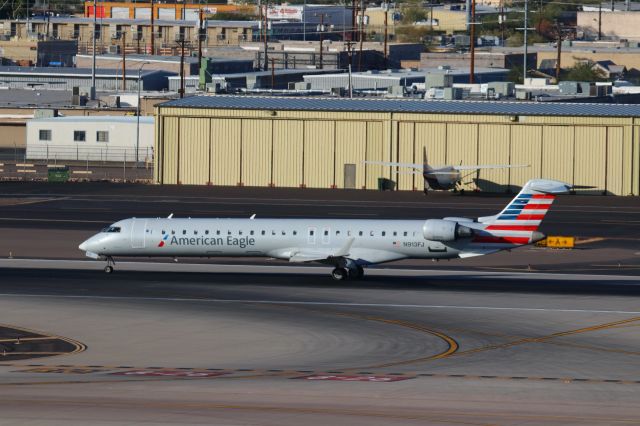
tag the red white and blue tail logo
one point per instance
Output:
(516, 224)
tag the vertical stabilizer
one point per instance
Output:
(518, 222)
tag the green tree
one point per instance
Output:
(584, 71)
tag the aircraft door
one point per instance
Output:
(311, 235)
(138, 233)
(326, 235)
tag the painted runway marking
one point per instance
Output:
(170, 373)
(311, 303)
(347, 378)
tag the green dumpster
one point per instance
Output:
(58, 174)
(385, 184)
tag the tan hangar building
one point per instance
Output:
(323, 142)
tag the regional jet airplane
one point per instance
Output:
(346, 244)
(442, 177)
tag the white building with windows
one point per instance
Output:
(94, 138)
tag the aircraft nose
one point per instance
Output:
(83, 246)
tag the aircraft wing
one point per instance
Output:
(305, 255)
(489, 166)
(389, 163)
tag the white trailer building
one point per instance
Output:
(92, 138)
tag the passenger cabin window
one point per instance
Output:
(405, 233)
(218, 232)
(311, 232)
(360, 233)
(395, 233)
(206, 232)
(371, 233)
(326, 232)
(173, 232)
(263, 232)
(195, 232)
(163, 232)
(79, 136)
(239, 232)
(250, 232)
(184, 232)
(295, 232)
(284, 233)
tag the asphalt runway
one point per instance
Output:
(529, 337)
(236, 345)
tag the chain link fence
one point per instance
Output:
(118, 164)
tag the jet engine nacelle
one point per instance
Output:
(444, 230)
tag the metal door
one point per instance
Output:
(311, 235)
(326, 235)
(138, 233)
(350, 176)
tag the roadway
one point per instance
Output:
(236, 345)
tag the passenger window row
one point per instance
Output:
(273, 232)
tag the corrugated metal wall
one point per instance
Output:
(311, 149)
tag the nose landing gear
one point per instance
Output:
(110, 264)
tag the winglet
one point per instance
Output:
(253, 216)
(170, 216)
(346, 248)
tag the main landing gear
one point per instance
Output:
(110, 264)
(341, 274)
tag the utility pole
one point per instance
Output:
(559, 55)
(93, 57)
(266, 41)
(361, 34)
(526, 47)
(152, 30)
(138, 110)
(273, 73)
(320, 29)
(182, 41)
(124, 61)
(502, 19)
(200, 35)
(599, 21)
(386, 34)
(472, 42)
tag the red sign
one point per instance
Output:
(170, 373)
(100, 10)
(343, 378)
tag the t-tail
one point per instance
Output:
(517, 224)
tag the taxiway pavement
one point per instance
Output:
(280, 348)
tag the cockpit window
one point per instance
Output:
(111, 229)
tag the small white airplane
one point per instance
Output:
(442, 177)
(346, 244)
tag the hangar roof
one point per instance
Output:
(406, 105)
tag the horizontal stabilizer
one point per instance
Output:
(476, 253)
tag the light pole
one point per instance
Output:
(138, 110)
(93, 56)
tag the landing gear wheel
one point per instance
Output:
(108, 269)
(359, 273)
(340, 274)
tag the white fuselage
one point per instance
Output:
(374, 241)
